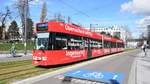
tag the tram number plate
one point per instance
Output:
(93, 75)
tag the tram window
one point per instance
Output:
(59, 41)
(75, 42)
(85, 42)
(107, 44)
(116, 45)
(113, 45)
(120, 45)
(62, 41)
(96, 44)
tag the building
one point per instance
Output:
(120, 31)
(132, 44)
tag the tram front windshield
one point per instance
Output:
(42, 41)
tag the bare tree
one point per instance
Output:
(4, 16)
(21, 6)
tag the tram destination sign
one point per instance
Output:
(42, 27)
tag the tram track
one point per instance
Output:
(7, 65)
(23, 72)
(15, 69)
(18, 70)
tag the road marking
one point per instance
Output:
(78, 81)
(115, 76)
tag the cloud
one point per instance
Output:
(141, 7)
(144, 21)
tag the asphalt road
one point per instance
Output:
(18, 57)
(120, 63)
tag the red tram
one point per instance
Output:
(61, 43)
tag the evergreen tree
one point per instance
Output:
(29, 28)
(104, 33)
(116, 36)
(108, 34)
(13, 30)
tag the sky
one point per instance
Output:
(132, 13)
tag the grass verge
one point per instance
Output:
(19, 46)
(18, 70)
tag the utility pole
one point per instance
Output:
(25, 17)
(69, 19)
(90, 27)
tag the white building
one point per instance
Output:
(132, 44)
(120, 31)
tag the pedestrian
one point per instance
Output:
(13, 50)
(144, 49)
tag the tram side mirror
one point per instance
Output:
(35, 36)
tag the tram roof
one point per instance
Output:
(56, 26)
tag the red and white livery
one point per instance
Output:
(61, 43)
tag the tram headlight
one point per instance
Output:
(39, 58)
(34, 58)
(44, 58)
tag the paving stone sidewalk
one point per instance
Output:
(140, 72)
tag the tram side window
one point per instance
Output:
(62, 41)
(75, 42)
(107, 44)
(59, 41)
(121, 45)
(113, 45)
(85, 42)
(118, 45)
(96, 44)
(100, 44)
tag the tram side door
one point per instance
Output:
(89, 50)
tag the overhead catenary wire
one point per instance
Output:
(77, 10)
